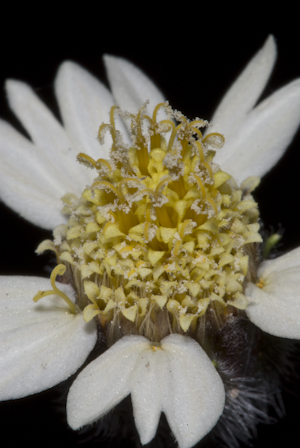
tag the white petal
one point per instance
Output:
(41, 344)
(178, 379)
(275, 308)
(195, 392)
(104, 382)
(149, 380)
(28, 183)
(245, 91)
(34, 177)
(84, 104)
(264, 136)
(51, 141)
(130, 86)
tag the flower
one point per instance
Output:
(160, 252)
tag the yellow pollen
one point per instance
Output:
(261, 283)
(155, 348)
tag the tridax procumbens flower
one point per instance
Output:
(160, 251)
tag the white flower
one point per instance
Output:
(41, 345)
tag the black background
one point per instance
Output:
(193, 53)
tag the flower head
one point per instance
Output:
(161, 231)
(157, 246)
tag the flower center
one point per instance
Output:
(163, 232)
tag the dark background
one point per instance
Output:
(193, 53)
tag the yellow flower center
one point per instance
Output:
(163, 232)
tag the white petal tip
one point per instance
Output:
(104, 382)
(68, 68)
(270, 43)
(14, 87)
(9, 83)
(196, 385)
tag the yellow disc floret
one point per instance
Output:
(163, 231)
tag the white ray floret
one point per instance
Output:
(40, 344)
(84, 104)
(274, 304)
(264, 135)
(256, 138)
(49, 137)
(27, 181)
(242, 96)
(176, 378)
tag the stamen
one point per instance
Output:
(212, 203)
(148, 212)
(111, 128)
(110, 186)
(127, 180)
(215, 139)
(156, 109)
(207, 166)
(184, 226)
(86, 160)
(173, 135)
(58, 270)
(161, 184)
(142, 150)
(196, 131)
(200, 150)
(103, 162)
(198, 123)
(200, 183)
